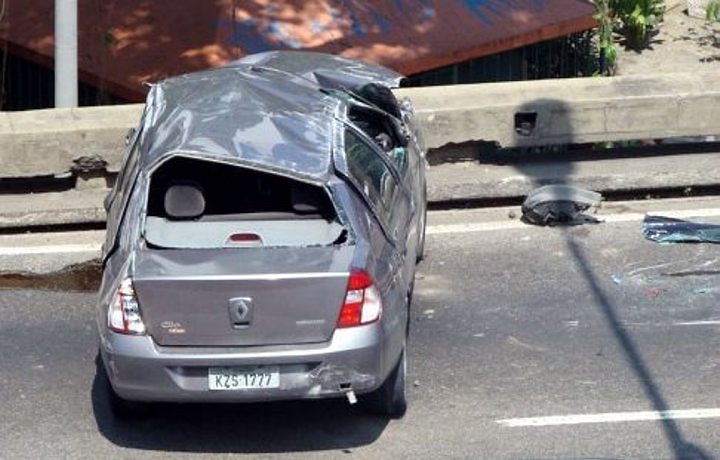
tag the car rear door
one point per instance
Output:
(394, 139)
(380, 184)
(374, 177)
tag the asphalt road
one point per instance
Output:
(511, 324)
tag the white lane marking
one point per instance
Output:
(698, 323)
(677, 214)
(54, 249)
(611, 417)
(476, 227)
(612, 218)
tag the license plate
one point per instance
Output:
(243, 378)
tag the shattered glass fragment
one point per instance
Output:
(669, 230)
(559, 204)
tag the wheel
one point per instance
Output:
(120, 408)
(389, 400)
(421, 238)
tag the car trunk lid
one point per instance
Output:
(242, 297)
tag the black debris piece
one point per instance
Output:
(559, 205)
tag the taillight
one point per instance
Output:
(362, 301)
(245, 239)
(124, 311)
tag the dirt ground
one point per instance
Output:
(682, 44)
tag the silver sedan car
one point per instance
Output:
(262, 238)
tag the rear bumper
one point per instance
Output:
(140, 370)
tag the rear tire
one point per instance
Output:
(389, 400)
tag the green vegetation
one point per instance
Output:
(712, 12)
(603, 15)
(634, 20)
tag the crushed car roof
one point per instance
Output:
(270, 111)
(325, 70)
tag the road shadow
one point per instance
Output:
(540, 163)
(681, 447)
(559, 113)
(268, 428)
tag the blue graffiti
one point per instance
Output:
(263, 34)
(358, 28)
(358, 9)
(484, 9)
(277, 30)
(246, 34)
(365, 17)
(427, 10)
(255, 36)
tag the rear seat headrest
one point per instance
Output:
(307, 199)
(184, 201)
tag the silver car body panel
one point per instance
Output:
(141, 370)
(296, 294)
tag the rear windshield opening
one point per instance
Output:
(202, 204)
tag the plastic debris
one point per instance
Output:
(352, 399)
(559, 204)
(669, 230)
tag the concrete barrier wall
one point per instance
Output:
(45, 142)
(532, 113)
(573, 110)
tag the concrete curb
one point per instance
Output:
(52, 209)
(475, 181)
(449, 182)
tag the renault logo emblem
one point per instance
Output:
(241, 311)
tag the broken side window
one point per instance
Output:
(116, 201)
(373, 176)
(383, 131)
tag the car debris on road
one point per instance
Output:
(559, 205)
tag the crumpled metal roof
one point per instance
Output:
(324, 70)
(264, 112)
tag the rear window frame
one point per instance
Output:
(123, 189)
(151, 169)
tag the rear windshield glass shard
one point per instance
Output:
(669, 230)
